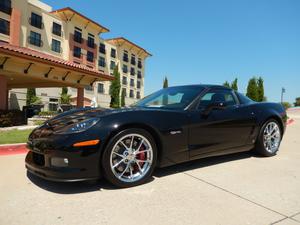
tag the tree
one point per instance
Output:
(297, 103)
(234, 84)
(123, 94)
(252, 89)
(64, 97)
(286, 105)
(115, 89)
(226, 84)
(260, 90)
(31, 97)
(166, 83)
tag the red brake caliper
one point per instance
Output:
(140, 156)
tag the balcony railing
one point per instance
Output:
(91, 44)
(140, 66)
(35, 41)
(78, 39)
(5, 9)
(36, 23)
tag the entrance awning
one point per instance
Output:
(26, 68)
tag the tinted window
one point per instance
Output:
(171, 98)
(215, 97)
(243, 99)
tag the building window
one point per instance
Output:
(140, 63)
(133, 59)
(36, 21)
(4, 26)
(91, 41)
(100, 88)
(77, 36)
(5, 6)
(90, 56)
(124, 91)
(138, 84)
(55, 46)
(101, 62)
(113, 53)
(125, 56)
(77, 52)
(112, 65)
(102, 48)
(138, 95)
(35, 39)
(131, 94)
(139, 74)
(132, 82)
(124, 80)
(56, 29)
(132, 71)
(88, 88)
(125, 69)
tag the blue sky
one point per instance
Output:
(208, 41)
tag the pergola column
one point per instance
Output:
(80, 97)
(3, 93)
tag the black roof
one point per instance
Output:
(206, 86)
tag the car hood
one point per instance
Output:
(76, 115)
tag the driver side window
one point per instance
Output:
(216, 96)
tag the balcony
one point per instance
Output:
(91, 45)
(140, 66)
(125, 58)
(78, 39)
(36, 23)
(5, 9)
(133, 62)
(35, 41)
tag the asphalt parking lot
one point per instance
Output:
(236, 189)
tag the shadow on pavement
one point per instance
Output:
(99, 185)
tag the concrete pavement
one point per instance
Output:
(236, 189)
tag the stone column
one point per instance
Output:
(80, 97)
(3, 93)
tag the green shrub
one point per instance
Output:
(10, 118)
(47, 113)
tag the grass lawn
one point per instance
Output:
(14, 136)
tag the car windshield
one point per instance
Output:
(170, 98)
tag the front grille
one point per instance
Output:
(38, 159)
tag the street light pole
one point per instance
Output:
(282, 91)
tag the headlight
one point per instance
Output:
(79, 126)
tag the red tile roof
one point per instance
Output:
(129, 42)
(46, 58)
(68, 9)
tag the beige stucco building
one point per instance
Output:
(49, 49)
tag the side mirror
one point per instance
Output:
(213, 106)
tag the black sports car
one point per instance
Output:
(171, 126)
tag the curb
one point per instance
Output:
(290, 121)
(13, 149)
(11, 145)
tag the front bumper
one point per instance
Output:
(64, 165)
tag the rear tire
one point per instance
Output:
(129, 158)
(269, 138)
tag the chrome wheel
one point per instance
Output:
(131, 158)
(271, 137)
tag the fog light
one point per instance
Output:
(59, 162)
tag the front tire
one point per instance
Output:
(269, 138)
(129, 158)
